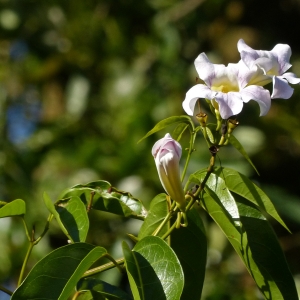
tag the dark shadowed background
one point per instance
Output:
(82, 81)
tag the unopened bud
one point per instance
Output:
(231, 125)
(202, 118)
(167, 153)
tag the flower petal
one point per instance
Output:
(229, 104)
(255, 76)
(167, 143)
(258, 94)
(283, 53)
(268, 64)
(291, 78)
(205, 68)
(281, 88)
(193, 94)
(248, 55)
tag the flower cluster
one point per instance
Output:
(228, 87)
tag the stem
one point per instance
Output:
(3, 289)
(32, 243)
(169, 231)
(75, 296)
(166, 219)
(26, 229)
(104, 267)
(191, 150)
(90, 201)
(202, 184)
(25, 262)
(114, 262)
(45, 229)
(222, 140)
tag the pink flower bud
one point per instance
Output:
(167, 153)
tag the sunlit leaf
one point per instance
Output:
(56, 275)
(154, 270)
(156, 214)
(167, 122)
(241, 185)
(50, 205)
(73, 215)
(100, 195)
(190, 245)
(102, 290)
(14, 208)
(255, 242)
(237, 145)
(218, 186)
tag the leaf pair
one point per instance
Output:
(153, 270)
(71, 210)
(189, 245)
(100, 195)
(233, 201)
(56, 275)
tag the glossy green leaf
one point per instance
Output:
(179, 130)
(100, 195)
(237, 145)
(73, 215)
(14, 208)
(255, 242)
(133, 273)
(156, 214)
(50, 205)
(102, 290)
(154, 270)
(218, 186)
(241, 185)
(56, 275)
(167, 122)
(190, 245)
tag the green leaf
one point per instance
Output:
(255, 242)
(156, 214)
(241, 185)
(133, 273)
(237, 145)
(56, 275)
(167, 122)
(14, 208)
(209, 134)
(218, 186)
(73, 215)
(107, 198)
(50, 205)
(190, 245)
(154, 270)
(179, 130)
(101, 289)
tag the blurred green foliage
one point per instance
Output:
(82, 81)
